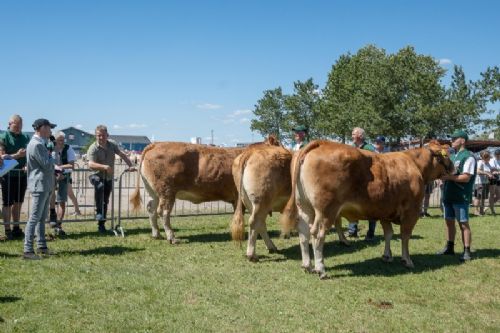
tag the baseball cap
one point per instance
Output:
(380, 138)
(42, 122)
(300, 128)
(460, 134)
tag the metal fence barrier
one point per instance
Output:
(119, 208)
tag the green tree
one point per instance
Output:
(270, 114)
(302, 108)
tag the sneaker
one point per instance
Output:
(369, 238)
(9, 235)
(53, 224)
(466, 256)
(30, 256)
(59, 231)
(352, 234)
(447, 250)
(17, 233)
(101, 228)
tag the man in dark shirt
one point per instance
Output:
(14, 183)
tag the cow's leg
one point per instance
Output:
(265, 236)
(318, 233)
(153, 217)
(168, 204)
(304, 236)
(387, 228)
(318, 244)
(253, 222)
(338, 228)
(406, 230)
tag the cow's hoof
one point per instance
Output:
(307, 269)
(155, 236)
(323, 276)
(407, 264)
(253, 258)
(387, 258)
(173, 241)
(273, 251)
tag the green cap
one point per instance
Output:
(299, 128)
(460, 134)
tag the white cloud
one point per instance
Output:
(244, 120)
(79, 126)
(117, 127)
(133, 125)
(239, 113)
(208, 106)
(445, 61)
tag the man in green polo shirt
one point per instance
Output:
(457, 195)
(15, 182)
(358, 141)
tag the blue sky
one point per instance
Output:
(173, 70)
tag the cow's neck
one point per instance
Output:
(423, 159)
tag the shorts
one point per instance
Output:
(13, 189)
(62, 191)
(459, 212)
(481, 191)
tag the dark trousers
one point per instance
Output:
(101, 196)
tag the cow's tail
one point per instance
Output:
(136, 199)
(289, 217)
(238, 221)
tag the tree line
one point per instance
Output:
(397, 95)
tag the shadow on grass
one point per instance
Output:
(9, 255)
(331, 248)
(422, 262)
(9, 299)
(104, 250)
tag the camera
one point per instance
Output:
(95, 180)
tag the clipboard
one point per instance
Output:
(7, 166)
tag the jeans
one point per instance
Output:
(353, 227)
(101, 196)
(36, 222)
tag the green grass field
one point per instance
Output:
(204, 284)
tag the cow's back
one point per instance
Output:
(191, 172)
(266, 175)
(365, 184)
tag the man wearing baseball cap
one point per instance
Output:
(457, 195)
(300, 137)
(40, 183)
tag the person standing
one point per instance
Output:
(494, 184)
(358, 139)
(64, 156)
(14, 182)
(457, 196)
(300, 137)
(40, 165)
(481, 184)
(101, 155)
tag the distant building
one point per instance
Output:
(243, 144)
(77, 138)
(135, 143)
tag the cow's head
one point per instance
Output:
(272, 141)
(441, 158)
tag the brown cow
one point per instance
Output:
(332, 180)
(262, 178)
(185, 171)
